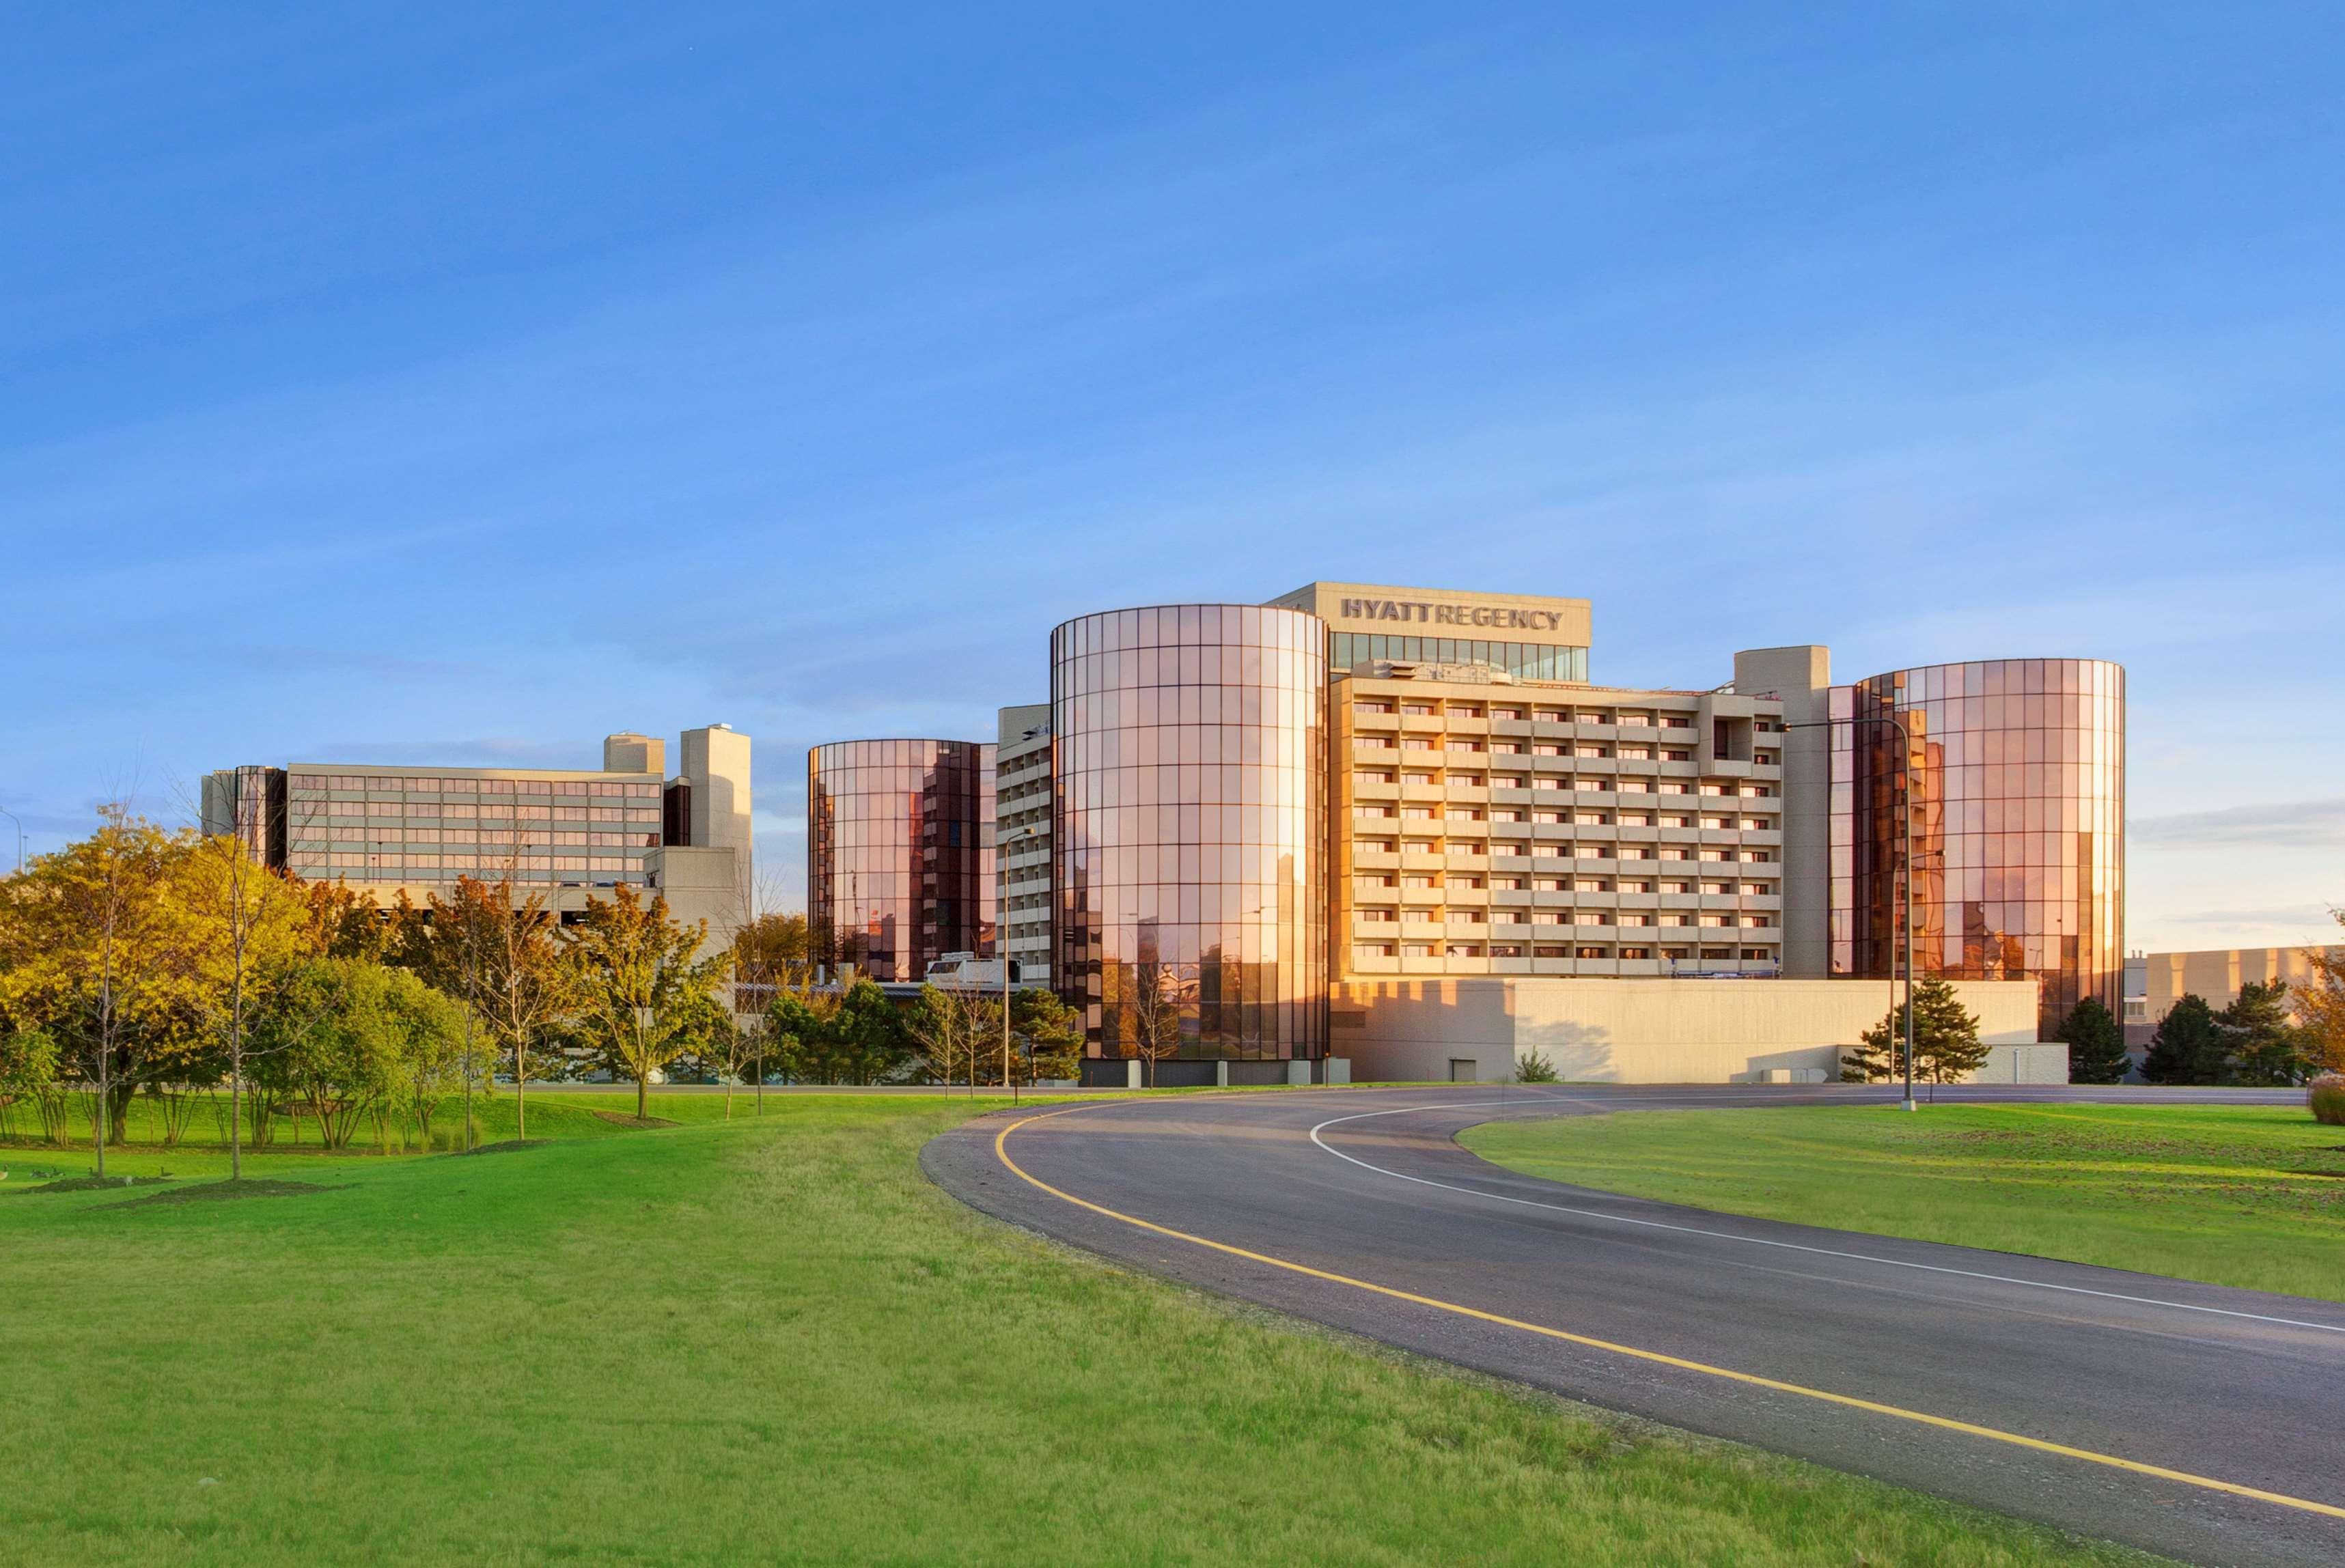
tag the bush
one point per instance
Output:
(1535, 1068)
(2326, 1095)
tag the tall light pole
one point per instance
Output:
(20, 838)
(1906, 745)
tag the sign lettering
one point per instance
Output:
(1495, 617)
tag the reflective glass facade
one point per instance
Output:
(420, 827)
(900, 853)
(1190, 830)
(1524, 660)
(2019, 816)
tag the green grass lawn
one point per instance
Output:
(2233, 1195)
(773, 1341)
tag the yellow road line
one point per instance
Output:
(1001, 1152)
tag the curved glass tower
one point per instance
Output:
(2018, 821)
(1191, 831)
(899, 854)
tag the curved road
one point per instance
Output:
(2191, 1419)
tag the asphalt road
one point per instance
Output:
(1355, 1207)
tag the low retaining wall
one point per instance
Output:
(1640, 1031)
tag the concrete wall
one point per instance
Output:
(1639, 1031)
(716, 763)
(2216, 975)
(699, 884)
(1801, 677)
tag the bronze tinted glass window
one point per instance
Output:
(1191, 830)
(2018, 818)
(899, 854)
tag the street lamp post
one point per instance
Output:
(20, 838)
(1906, 745)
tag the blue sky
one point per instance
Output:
(418, 383)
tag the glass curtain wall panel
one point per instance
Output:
(2017, 814)
(899, 854)
(1191, 831)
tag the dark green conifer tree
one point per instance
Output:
(2096, 1053)
(2188, 1047)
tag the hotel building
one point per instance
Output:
(569, 834)
(1265, 835)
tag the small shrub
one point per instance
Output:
(2326, 1095)
(1535, 1068)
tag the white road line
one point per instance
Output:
(1754, 1241)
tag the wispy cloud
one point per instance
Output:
(2313, 914)
(2296, 825)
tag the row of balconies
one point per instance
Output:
(1528, 763)
(1376, 792)
(1557, 898)
(1374, 966)
(1593, 930)
(1551, 832)
(1533, 729)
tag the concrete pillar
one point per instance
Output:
(1801, 677)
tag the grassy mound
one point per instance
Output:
(776, 1342)
(94, 1183)
(228, 1193)
(2231, 1195)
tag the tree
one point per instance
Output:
(2188, 1047)
(336, 1040)
(1156, 1033)
(2262, 1042)
(429, 1030)
(642, 993)
(1047, 1032)
(2321, 1004)
(524, 985)
(799, 1030)
(771, 954)
(1946, 1045)
(95, 953)
(956, 1030)
(2096, 1052)
(451, 947)
(772, 950)
(28, 1071)
(872, 1044)
(255, 926)
(346, 924)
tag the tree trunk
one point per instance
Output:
(521, 1092)
(643, 1091)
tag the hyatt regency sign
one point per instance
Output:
(1489, 617)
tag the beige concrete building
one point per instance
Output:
(1022, 836)
(1649, 1030)
(2216, 976)
(1488, 827)
(570, 836)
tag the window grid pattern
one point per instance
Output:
(581, 831)
(1191, 830)
(2018, 817)
(900, 853)
(1525, 660)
